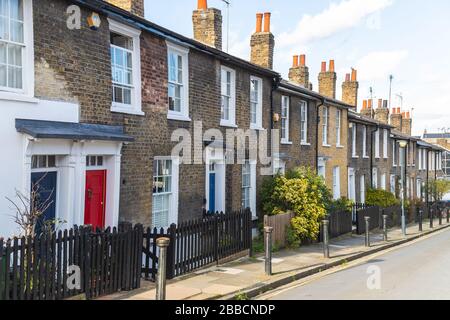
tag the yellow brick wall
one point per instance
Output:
(337, 155)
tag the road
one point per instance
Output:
(417, 271)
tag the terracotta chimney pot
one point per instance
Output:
(267, 22)
(259, 19)
(331, 66)
(303, 60)
(202, 4)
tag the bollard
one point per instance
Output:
(326, 239)
(162, 244)
(367, 240)
(385, 229)
(268, 246)
(440, 216)
(448, 215)
(420, 220)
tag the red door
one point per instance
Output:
(94, 208)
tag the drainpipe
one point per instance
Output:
(428, 177)
(322, 102)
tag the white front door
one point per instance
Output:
(351, 184)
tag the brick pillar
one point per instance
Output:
(327, 80)
(136, 7)
(350, 89)
(262, 43)
(299, 73)
(396, 119)
(207, 23)
(382, 112)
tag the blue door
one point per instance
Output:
(45, 185)
(212, 192)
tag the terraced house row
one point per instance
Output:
(92, 93)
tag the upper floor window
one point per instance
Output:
(354, 128)
(377, 143)
(385, 143)
(228, 92)
(364, 138)
(338, 127)
(325, 119)
(284, 119)
(255, 103)
(16, 48)
(125, 68)
(394, 154)
(178, 68)
(375, 178)
(304, 122)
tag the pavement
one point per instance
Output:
(419, 271)
(245, 278)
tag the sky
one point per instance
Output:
(404, 38)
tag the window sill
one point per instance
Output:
(355, 157)
(19, 97)
(178, 117)
(366, 157)
(126, 110)
(326, 145)
(286, 142)
(253, 127)
(306, 144)
(340, 147)
(228, 124)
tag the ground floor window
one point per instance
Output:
(383, 181)
(336, 183)
(321, 168)
(392, 183)
(162, 192)
(246, 185)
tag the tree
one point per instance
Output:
(438, 188)
(29, 209)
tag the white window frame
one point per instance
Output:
(394, 153)
(375, 178)
(278, 166)
(336, 183)
(354, 140)
(304, 132)
(285, 105)
(365, 155)
(173, 202)
(362, 188)
(135, 107)
(231, 122)
(325, 128)
(419, 188)
(385, 144)
(183, 114)
(383, 181)
(377, 144)
(252, 192)
(26, 94)
(338, 127)
(321, 163)
(392, 183)
(258, 125)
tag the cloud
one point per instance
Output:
(335, 18)
(379, 64)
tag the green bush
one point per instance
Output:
(381, 198)
(302, 192)
(342, 204)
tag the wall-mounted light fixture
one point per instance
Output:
(94, 21)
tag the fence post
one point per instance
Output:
(162, 244)
(431, 217)
(448, 215)
(268, 246)
(440, 215)
(250, 232)
(367, 238)
(385, 229)
(171, 251)
(326, 239)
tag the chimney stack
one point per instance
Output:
(382, 112)
(207, 24)
(350, 89)
(366, 110)
(299, 73)
(135, 7)
(262, 43)
(406, 123)
(396, 119)
(327, 80)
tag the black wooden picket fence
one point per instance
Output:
(40, 268)
(375, 219)
(199, 243)
(340, 224)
